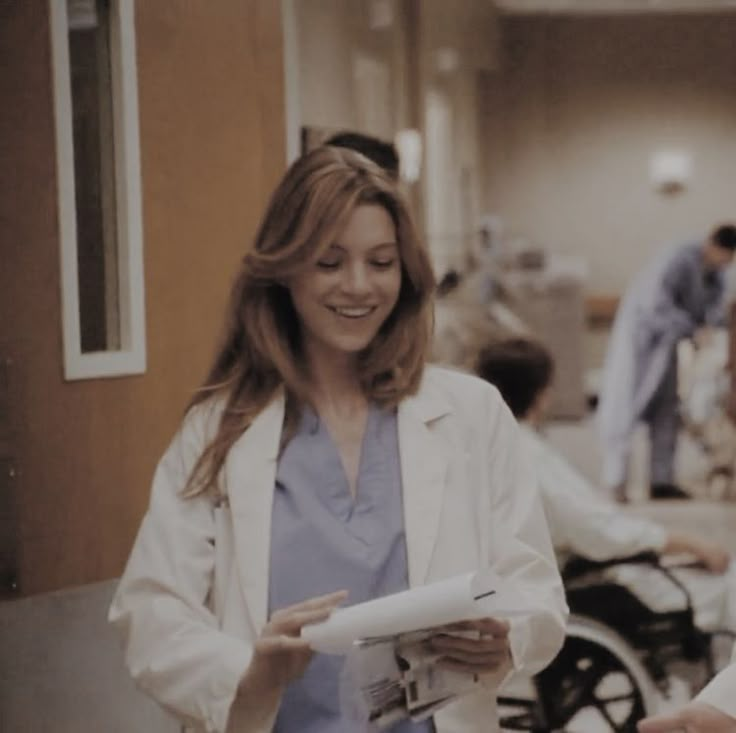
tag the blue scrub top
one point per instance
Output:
(323, 540)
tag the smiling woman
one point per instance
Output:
(323, 460)
(352, 289)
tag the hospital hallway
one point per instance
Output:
(546, 157)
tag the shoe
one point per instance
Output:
(668, 491)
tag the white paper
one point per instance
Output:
(397, 678)
(391, 671)
(464, 597)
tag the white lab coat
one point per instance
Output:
(666, 302)
(720, 692)
(193, 597)
(581, 522)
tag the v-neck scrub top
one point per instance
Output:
(323, 540)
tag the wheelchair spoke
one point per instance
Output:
(604, 712)
(590, 681)
(617, 698)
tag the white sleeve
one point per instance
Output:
(585, 523)
(720, 692)
(173, 647)
(521, 550)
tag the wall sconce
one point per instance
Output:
(446, 59)
(380, 14)
(409, 144)
(670, 170)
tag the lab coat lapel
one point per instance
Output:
(251, 476)
(423, 470)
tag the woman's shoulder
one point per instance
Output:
(201, 421)
(461, 389)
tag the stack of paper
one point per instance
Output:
(391, 670)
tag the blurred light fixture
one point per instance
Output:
(409, 144)
(380, 14)
(446, 59)
(670, 170)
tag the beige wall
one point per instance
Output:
(572, 118)
(449, 104)
(379, 80)
(351, 75)
(212, 146)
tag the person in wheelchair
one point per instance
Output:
(614, 567)
(583, 522)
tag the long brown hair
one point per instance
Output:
(261, 348)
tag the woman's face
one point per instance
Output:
(345, 295)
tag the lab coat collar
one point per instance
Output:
(424, 463)
(250, 474)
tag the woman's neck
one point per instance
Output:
(335, 386)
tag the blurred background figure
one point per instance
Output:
(679, 295)
(585, 524)
(383, 154)
(464, 322)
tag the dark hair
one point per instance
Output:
(449, 282)
(725, 237)
(383, 154)
(520, 369)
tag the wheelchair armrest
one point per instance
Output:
(578, 565)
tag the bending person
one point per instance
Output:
(677, 294)
(584, 523)
(322, 458)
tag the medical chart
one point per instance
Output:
(391, 670)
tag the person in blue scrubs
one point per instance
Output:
(324, 462)
(681, 291)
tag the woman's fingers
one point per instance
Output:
(491, 659)
(290, 620)
(476, 654)
(329, 601)
(483, 656)
(488, 626)
(281, 643)
(484, 645)
(291, 623)
(488, 663)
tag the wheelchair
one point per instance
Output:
(616, 664)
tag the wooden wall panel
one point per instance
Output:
(212, 148)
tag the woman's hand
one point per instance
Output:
(280, 655)
(480, 655)
(693, 718)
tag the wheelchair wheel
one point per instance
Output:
(596, 684)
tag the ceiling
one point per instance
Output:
(591, 7)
